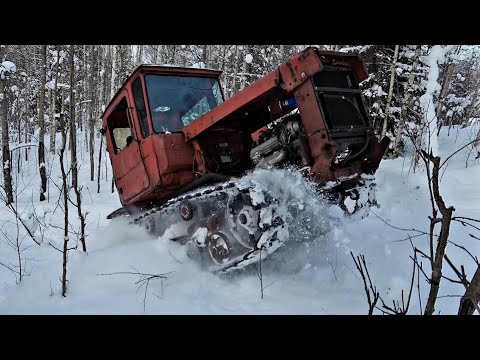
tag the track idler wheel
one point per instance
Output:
(218, 247)
(186, 210)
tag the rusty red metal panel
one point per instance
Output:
(299, 68)
(131, 176)
(321, 148)
(353, 60)
(235, 103)
(173, 153)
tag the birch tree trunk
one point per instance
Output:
(6, 162)
(41, 124)
(53, 120)
(447, 77)
(244, 71)
(406, 104)
(91, 121)
(113, 60)
(390, 91)
(155, 53)
(235, 71)
(139, 56)
(174, 53)
(64, 194)
(227, 72)
(73, 148)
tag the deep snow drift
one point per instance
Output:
(313, 273)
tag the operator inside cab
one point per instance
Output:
(166, 121)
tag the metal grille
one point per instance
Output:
(343, 111)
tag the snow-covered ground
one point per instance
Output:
(303, 277)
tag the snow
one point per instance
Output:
(50, 85)
(434, 58)
(7, 68)
(249, 58)
(311, 272)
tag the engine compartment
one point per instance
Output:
(283, 141)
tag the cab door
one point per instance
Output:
(127, 163)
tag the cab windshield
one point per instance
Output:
(176, 101)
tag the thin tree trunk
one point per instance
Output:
(26, 128)
(91, 121)
(99, 163)
(226, 71)
(406, 104)
(244, 70)
(6, 163)
(443, 92)
(113, 60)
(442, 241)
(65, 205)
(205, 55)
(139, 59)
(235, 70)
(73, 152)
(155, 53)
(173, 55)
(41, 123)
(102, 78)
(390, 91)
(53, 111)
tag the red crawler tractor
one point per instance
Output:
(178, 148)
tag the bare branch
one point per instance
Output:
(463, 147)
(474, 258)
(368, 287)
(462, 278)
(399, 228)
(32, 236)
(464, 223)
(143, 281)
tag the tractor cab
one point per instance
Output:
(143, 128)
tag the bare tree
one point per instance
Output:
(100, 150)
(65, 200)
(438, 246)
(53, 109)
(390, 90)
(6, 160)
(405, 107)
(447, 77)
(91, 105)
(73, 152)
(41, 124)
(113, 62)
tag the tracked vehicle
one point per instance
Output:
(180, 151)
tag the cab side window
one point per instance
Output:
(140, 105)
(119, 126)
